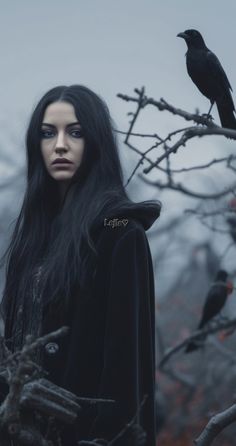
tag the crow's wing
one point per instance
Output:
(215, 301)
(217, 71)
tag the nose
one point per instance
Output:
(61, 145)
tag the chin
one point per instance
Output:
(62, 177)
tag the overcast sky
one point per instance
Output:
(110, 46)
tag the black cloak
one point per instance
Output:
(109, 351)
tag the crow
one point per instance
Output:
(208, 75)
(215, 300)
(232, 227)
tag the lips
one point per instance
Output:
(61, 161)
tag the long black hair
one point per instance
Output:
(58, 235)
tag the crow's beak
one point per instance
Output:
(183, 35)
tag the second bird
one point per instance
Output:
(208, 75)
(215, 301)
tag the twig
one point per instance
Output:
(194, 337)
(178, 187)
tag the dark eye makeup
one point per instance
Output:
(76, 133)
(47, 133)
(50, 133)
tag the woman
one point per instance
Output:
(79, 257)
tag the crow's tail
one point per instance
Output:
(226, 113)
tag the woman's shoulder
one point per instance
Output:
(117, 230)
(126, 225)
(118, 242)
(122, 225)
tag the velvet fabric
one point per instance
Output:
(109, 351)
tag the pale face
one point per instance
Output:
(61, 138)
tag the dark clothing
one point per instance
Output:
(109, 351)
(28, 316)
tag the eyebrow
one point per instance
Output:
(68, 125)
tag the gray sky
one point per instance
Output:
(110, 46)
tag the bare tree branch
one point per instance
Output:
(204, 127)
(195, 337)
(216, 424)
(178, 187)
